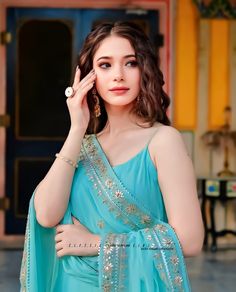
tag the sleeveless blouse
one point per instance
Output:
(140, 177)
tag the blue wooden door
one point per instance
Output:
(40, 63)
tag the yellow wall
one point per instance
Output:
(218, 71)
(185, 97)
(186, 69)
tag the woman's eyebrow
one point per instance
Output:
(108, 57)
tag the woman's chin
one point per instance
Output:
(120, 107)
(119, 103)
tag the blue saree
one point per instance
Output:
(123, 204)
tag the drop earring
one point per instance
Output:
(138, 105)
(138, 99)
(97, 109)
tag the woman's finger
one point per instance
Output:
(59, 246)
(79, 86)
(58, 237)
(91, 79)
(85, 90)
(88, 77)
(62, 227)
(75, 221)
(59, 228)
(78, 83)
(76, 78)
(81, 93)
(60, 253)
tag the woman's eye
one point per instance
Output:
(104, 65)
(132, 64)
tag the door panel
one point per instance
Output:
(47, 46)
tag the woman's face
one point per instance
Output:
(118, 74)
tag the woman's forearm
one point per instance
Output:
(52, 194)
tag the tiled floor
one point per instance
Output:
(208, 272)
(213, 272)
(10, 261)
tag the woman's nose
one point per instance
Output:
(118, 75)
(118, 78)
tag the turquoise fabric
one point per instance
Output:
(139, 249)
(142, 181)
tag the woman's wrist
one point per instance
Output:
(77, 130)
(72, 145)
(97, 244)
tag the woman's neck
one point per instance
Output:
(120, 119)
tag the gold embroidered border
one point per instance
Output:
(24, 272)
(170, 260)
(113, 257)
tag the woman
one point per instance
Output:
(124, 219)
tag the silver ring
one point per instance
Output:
(69, 92)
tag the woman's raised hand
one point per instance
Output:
(77, 103)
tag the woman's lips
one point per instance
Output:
(119, 90)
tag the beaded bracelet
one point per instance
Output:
(67, 160)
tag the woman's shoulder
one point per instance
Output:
(166, 138)
(166, 131)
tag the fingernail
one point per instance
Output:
(77, 67)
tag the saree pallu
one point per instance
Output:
(138, 251)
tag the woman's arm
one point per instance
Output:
(178, 186)
(52, 194)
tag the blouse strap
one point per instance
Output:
(153, 134)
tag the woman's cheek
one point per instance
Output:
(100, 82)
(99, 87)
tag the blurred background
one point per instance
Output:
(196, 40)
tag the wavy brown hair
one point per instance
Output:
(153, 102)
